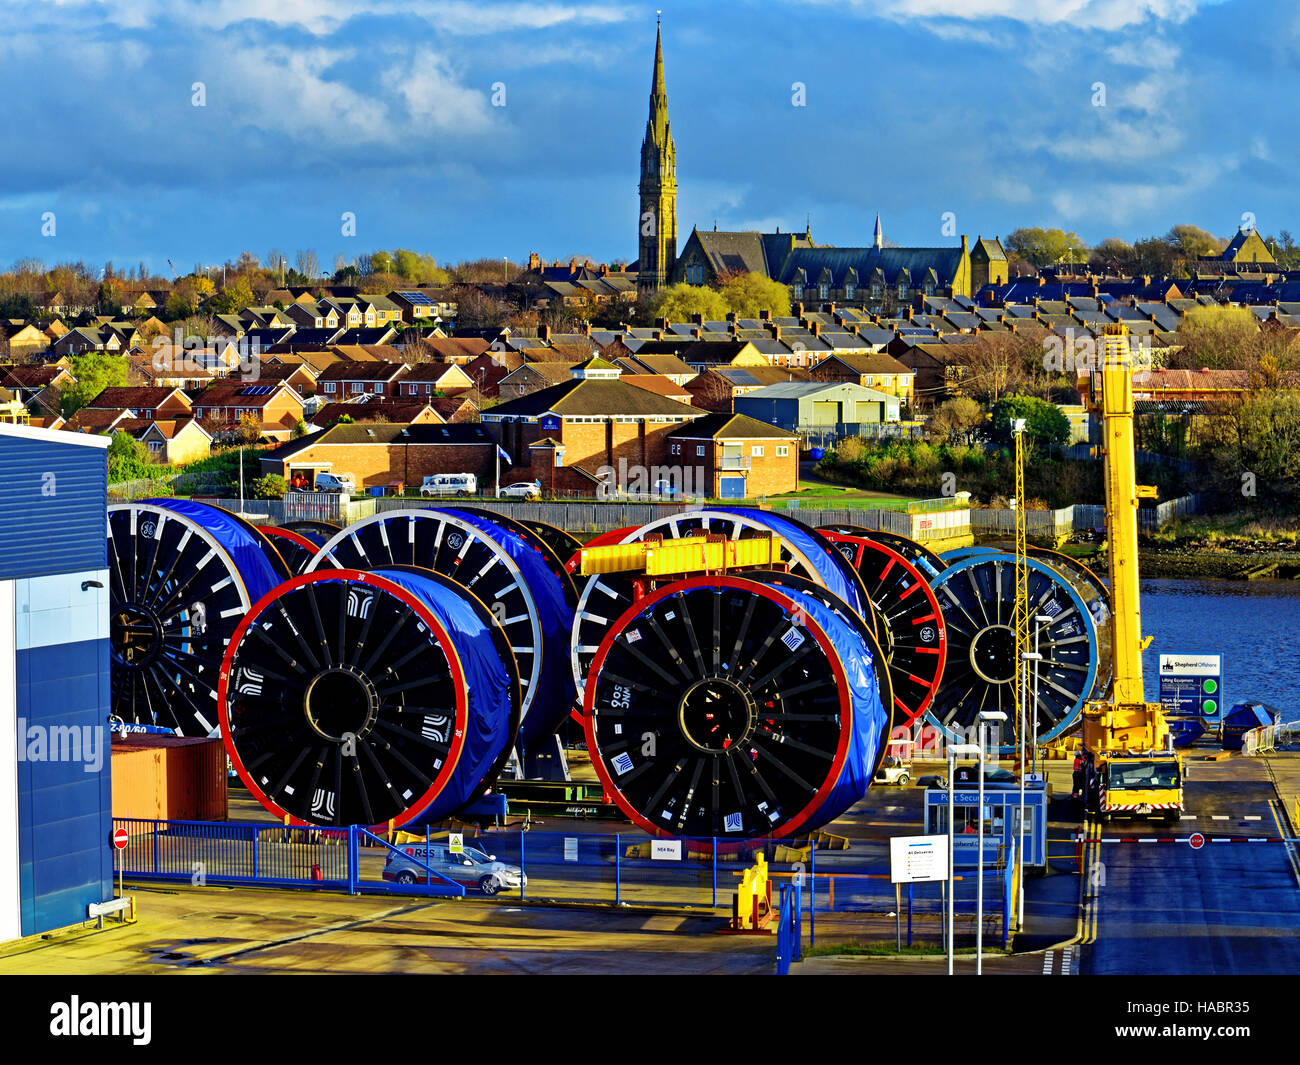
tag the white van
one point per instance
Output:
(335, 482)
(450, 484)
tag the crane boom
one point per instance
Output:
(1131, 768)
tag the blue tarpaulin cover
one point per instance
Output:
(487, 730)
(826, 563)
(556, 694)
(258, 575)
(870, 716)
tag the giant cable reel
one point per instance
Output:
(182, 575)
(805, 552)
(977, 597)
(380, 698)
(519, 578)
(912, 635)
(728, 707)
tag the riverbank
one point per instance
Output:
(1193, 561)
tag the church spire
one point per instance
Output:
(880, 233)
(657, 225)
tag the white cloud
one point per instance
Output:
(434, 100)
(288, 91)
(324, 17)
(1149, 54)
(1081, 14)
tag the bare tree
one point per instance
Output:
(306, 262)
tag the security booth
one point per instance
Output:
(1001, 821)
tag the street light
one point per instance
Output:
(1027, 657)
(954, 749)
(985, 717)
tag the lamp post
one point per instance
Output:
(1035, 657)
(954, 749)
(985, 717)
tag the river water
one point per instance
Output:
(1252, 624)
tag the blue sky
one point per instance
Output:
(984, 108)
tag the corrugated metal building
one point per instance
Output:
(55, 819)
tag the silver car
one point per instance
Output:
(471, 868)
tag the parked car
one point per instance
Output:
(472, 867)
(523, 490)
(335, 482)
(449, 484)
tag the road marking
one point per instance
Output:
(1274, 806)
(1067, 962)
(1219, 817)
(1252, 817)
(1047, 963)
(1189, 817)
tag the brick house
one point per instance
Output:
(426, 378)
(879, 371)
(345, 379)
(380, 453)
(146, 402)
(276, 406)
(593, 425)
(736, 457)
(533, 377)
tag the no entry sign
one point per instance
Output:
(120, 838)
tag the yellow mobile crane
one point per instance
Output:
(1130, 767)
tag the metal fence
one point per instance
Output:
(1053, 523)
(1150, 519)
(623, 869)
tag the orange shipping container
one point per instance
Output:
(174, 778)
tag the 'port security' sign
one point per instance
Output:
(1189, 685)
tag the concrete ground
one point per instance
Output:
(1159, 907)
(225, 930)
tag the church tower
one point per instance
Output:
(657, 225)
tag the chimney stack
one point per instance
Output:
(815, 328)
(776, 330)
(764, 316)
(544, 332)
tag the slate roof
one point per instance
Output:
(713, 426)
(594, 398)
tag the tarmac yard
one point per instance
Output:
(1151, 907)
(1230, 908)
(225, 930)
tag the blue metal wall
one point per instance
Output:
(54, 576)
(64, 807)
(55, 515)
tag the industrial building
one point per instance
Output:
(55, 822)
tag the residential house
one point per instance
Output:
(380, 453)
(146, 402)
(588, 431)
(426, 378)
(276, 406)
(879, 371)
(399, 411)
(174, 442)
(735, 457)
(344, 379)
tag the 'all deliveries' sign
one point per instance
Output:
(1189, 685)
